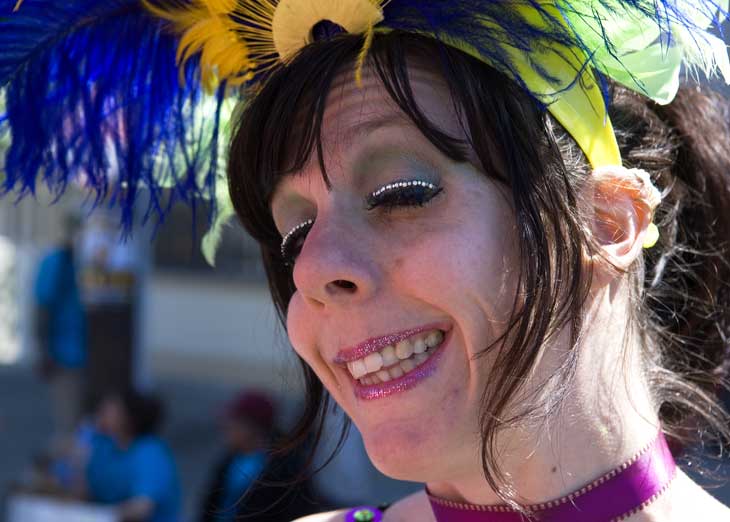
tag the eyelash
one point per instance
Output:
(403, 194)
(388, 198)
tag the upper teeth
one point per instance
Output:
(392, 354)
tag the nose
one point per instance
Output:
(337, 264)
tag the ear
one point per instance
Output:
(623, 202)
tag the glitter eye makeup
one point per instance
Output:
(293, 239)
(411, 193)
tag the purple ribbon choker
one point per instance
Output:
(615, 496)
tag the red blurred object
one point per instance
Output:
(252, 405)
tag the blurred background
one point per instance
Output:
(86, 315)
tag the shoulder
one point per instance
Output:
(102, 442)
(412, 507)
(51, 256)
(47, 266)
(150, 447)
(148, 443)
(55, 259)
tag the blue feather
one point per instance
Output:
(92, 90)
(93, 96)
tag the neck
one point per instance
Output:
(607, 416)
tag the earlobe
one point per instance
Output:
(623, 203)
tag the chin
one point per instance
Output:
(401, 463)
(405, 452)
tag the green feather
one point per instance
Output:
(640, 56)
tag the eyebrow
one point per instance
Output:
(356, 132)
(363, 128)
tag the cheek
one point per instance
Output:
(466, 265)
(299, 328)
(304, 330)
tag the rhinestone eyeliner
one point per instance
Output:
(293, 231)
(401, 185)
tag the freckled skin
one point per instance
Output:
(448, 261)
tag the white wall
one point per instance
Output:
(210, 328)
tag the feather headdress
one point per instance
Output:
(93, 96)
(560, 51)
(93, 89)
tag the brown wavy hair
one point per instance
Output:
(681, 286)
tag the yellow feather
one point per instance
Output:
(238, 38)
(221, 7)
(208, 30)
(293, 20)
(362, 55)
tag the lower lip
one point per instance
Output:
(405, 382)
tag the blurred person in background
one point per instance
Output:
(129, 464)
(248, 483)
(61, 332)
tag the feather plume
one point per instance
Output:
(604, 32)
(363, 54)
(241, 41)
(230, 40)
(207, 30)
(562, 51)
(92, 97)
(93, 93)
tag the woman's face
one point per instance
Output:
(111, 418)
(430, 267)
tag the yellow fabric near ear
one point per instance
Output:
(652, 236)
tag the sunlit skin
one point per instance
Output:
(454, 261)
(409, 268)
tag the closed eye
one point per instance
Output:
(414, 193)
(292, 242)
(400, 194)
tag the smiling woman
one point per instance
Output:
(460, 283)
(516, 288)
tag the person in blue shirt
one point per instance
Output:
(61, 333)
(249, 482)
(246, 424)
(130, 465)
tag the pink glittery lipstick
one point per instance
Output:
(375, 344)
(405, 382)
